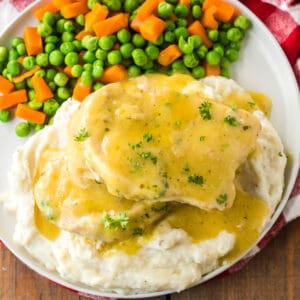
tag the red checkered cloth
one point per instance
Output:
(282, 17)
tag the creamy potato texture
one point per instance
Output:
(149, 184)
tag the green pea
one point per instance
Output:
(169, 36)
(13, 54)
(50, 107)
(16, 41)
(181, 31)
(22, 129)
(179, 66)
(181, 22)
(21, 49)
(52, 39)
(213, 58)
(5, 72)
(196, 11)
(148, 65)
(71, 59)
(50, 74)
(234, 35)
(106, 43)
(89, 57)
(101, 54)
(198, 72)
(190, 60)
(67, 36)
(20, 85)
(29, 83)
(152, 52)
(63, 93)
(114, 57)
(124, 36)
(113, 5)
(87, 78)
(139, 57)
(225, 63)
(36, 105)
(56, 58)
(196, 2)
(138, 40)
(3, 54)
(97, 86)
(14, 68)
(170, 25)
(159, 40)
(130, 5)
(5, 115)
(49, 18)
(235, 45)
(196, 40)
(90, 42)
(31, 94)
(97, 71)
(202, 51)
(88, 67)
(59, 26)
(67, 47)
(78, 45)
(164, 10)
(44, 29)
(223, 38)
(80, 19)
(126, 50)
(49, 47)
(134, 71)
(28, 62)
(219, 49)
(98, 63)
(225, 72)
(213, 35)
(52, 86)
(181, 11)
(42, 59)
(76, 70)
(39, 127)
(185, 46)
(40, 73)
(61, 79)
(69, 26)
(232, 54)
(242, 22)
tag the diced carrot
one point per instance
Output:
(33, 41)
(29, 114)
(169, 54)
(99, 12)
(81, 34)
(5, 85)
(197, 28)
(81, 91)
(20, 59)
(74, 9)
(12, 99)
(41, 88)
(68, 71)
(111, 25)
(136, 23)
(60, 3)
(225, 11)
(207, 3)
(41, 10)
(152, 27)
(208, 19)
(211, 70)
(113, 74)
(25, 75)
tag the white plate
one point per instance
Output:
(262, 67)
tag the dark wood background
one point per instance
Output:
(272, 274)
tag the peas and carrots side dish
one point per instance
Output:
(80, 45)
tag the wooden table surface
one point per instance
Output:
(272, 274)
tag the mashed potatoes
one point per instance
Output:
(207, 175)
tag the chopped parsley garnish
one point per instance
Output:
(134, 146)
(204, 110)
(232, 121)
(202, 138)
(222, 198)
(82, 135)
(178, 123)
(149, 155)
(186, 168)
(196, 179)
(119, 221)
(251, 104)
(138, 231)
(147, 136)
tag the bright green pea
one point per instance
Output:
(101, 54)
(78, 45)
(202, 51)
(80, 19)
(87, 78)
(138, 40)
(225, 63)
(63, 93)
(36, 105)
(164, 10)
(59, 26)
(20, 85)
(190, 60)
(198, 72)
(242, 22)
(106, 43)
(219, 49)
(88, 67)
(42, 59)
(5, 72)
(152, 52)
(44, 29)
(225, 72)
(56, 58)
(90, 42)
(40, 73)
(21, 49)
(71, 59)
(52, 86)
(97, 86)
(5, 115)
(124, 36)
(114, 57)
(113, 5)
(179, 66)
(185, 46)
(61, 79)
(139, 57)
(22, 129)
(3, 54)
(213, 35)
(31, 94)
(67, 47)
(126, 50)
(148, 65)
(49, 18)
(213, 58)
(232, 54)
(130, 5)
(134, 71)
(196, 11)
(181, 31)
(13, 54)
(16, 41)
(52, 39)
(170, 25)
(28, 62)
(39, 127)
(196, 40)
(29, 83)
(97, 71)
(67, 36)
(14, 68)
(159, 40)
(181, 11)
(50, 74)
(49, 47)
(76, 70)
(89, 57)
(181, 22)
(169, 36)
(50, 107)
(69, 26)
(235, 45)
(98, 63)
(234, 34)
